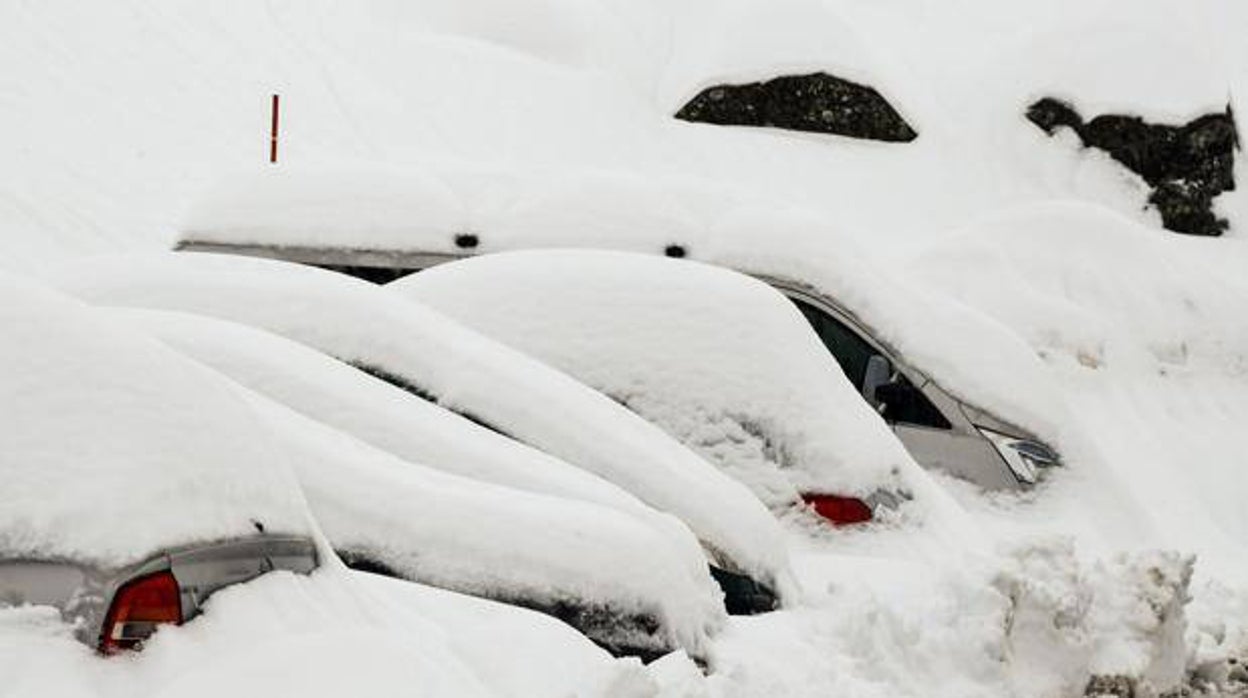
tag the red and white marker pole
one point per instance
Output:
(273, 132)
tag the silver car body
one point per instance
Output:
(83, 593)
(965, 441)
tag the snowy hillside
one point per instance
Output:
(1025, 259)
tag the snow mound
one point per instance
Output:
(114, 447)
(360, 323)
(721, 361)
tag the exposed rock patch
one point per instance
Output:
(818, 103)
(1186, 166)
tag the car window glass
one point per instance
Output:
(906, 404)
(851, 351)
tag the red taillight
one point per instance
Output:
(841, 511)
(138, 607)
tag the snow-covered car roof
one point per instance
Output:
(117, 447)
(621, 560)
(304, 216)
(720, 360)
(465, 371)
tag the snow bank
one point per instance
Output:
(720, 361)
(967, 354)
(1145, 334)
(114, 444)
(361, 323)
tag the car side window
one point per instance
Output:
(850, 350)
(903, 403)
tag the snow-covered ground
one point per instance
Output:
(115, 118)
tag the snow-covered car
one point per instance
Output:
(633, 580)
(122, 505)
(720, 360)
(431, 356)
(941, 375)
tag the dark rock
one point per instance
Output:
(677, 251)
(1186, 166)
(817, 102)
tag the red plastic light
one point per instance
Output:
(138, 606)
(841, 511)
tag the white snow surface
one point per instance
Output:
(114, 443)
(719, 360)
(596, 546)
(358, 322)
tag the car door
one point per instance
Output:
(927, 420)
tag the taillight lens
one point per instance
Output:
(138, 607)
(841, 511)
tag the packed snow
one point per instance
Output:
(113, 442)
(357, 322)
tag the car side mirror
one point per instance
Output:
(878, 373)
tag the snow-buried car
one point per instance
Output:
(719, 360)
(631, 579)
(121, 506)
(415, 347)
(945, 377)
